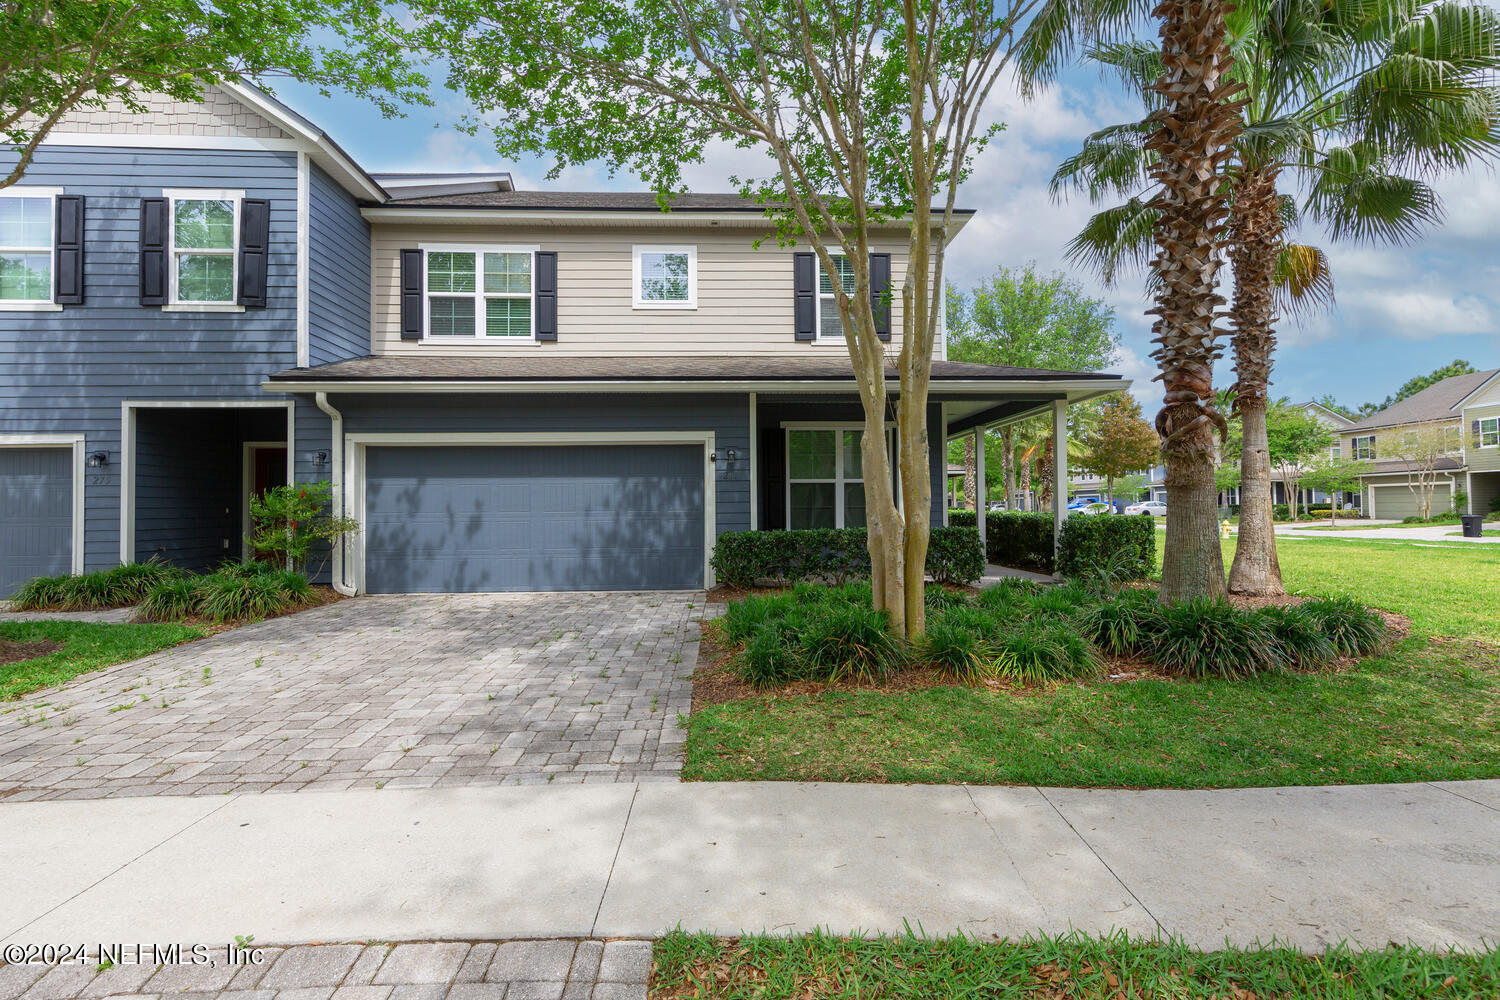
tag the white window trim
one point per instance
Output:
(479, 295)
(819, 338)
(838, 466)
(1482, 432)
(49, 304)
(691, 302)
(1354, 448)
(235, 198)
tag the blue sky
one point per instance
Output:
(1399, 311)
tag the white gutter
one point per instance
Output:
(1085, 389)
(336, 446)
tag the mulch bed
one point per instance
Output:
(715, 682)
(15, 652)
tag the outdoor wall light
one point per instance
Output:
(98, 459)
(729, 456)
(320, 458)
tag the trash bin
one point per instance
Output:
(1473, 525)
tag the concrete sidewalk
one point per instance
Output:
(1311, 866)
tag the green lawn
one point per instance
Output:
(1075, 966)
(86, 646)
(1426, 710)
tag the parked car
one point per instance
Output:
(1091, 508)
(1081, 502)
(997, 505)
(1155, 508)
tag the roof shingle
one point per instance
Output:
(1435, 402)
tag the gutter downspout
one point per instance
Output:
(337, 447)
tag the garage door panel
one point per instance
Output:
(36, 514)
(467, 519)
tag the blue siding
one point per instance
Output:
(69, 371)
(727, 415)
(338, 244)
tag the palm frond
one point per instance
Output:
(1360, 200)
(1303, 280)
(1116, 238)
(1112, 163)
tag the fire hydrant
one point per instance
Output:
(1224, 529)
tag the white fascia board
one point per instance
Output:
(317, 144)
(1075, 391)
(417, 215)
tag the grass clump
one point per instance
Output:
(1299, 637)
(844, 640)
(1035, 651)
(1352, 628)
(224, 598)
(1128, 624)
(1213, 638)
(955, 643)
(40, 592)
(170, 600)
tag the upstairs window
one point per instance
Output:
(1363, 447)
(1335, 451)
(205, 234)
(829, 322)
(1489, 433)
(25, 247)
(665, 277)
(479, 292)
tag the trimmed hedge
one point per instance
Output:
(1020, 539)
(1093, 540)
(962, 518)
(741, 558)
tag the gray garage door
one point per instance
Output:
(477, 519)
(36, 514)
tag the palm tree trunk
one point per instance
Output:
(1044, 469)
(971, 491)
(1025, 490)
(1008, 465)
(1193, 135)
(1254, 236)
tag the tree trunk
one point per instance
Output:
(1109, 491)
(971, 492)
(1255, 569)
(1044, 469)
(1194, 129)
(1025, 492)
(1008, 465)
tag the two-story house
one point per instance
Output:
(510, 390)
(1462, 413)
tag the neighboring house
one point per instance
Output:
(1465, 409)
(511, 390)
(1336, 422)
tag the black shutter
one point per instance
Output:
(546, 294)
(255, 240)
(411, 295)
(772, 462)
(153, 251)
(805, 277)
(1477, 437)
(880, 293)
(67, 251)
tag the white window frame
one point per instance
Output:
(1493, 433)
(691, 302)
(49, 304)
(174, 302)
(1354, 448)
(838, 468)
(479, 294)
(819, 337)
(1336, 450)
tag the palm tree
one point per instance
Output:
(1358, 102)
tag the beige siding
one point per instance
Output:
(219, 114)
(1480, 459)
(745, 295)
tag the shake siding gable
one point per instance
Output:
(746, 297)
(338, 301)
(67, 371)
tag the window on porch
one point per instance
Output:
(825, 482)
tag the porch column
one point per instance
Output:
(981, 494)
(1059, 470)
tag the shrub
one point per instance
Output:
(295, 520)
(954, 555)
(1033, 652)
(1056, 601)
(292, 584)
(1020, 539)
(1212, 638)
(1127, 625)
(770, 657)
(91, 590)
(742, 558)
(171, 599)
(224, 597)
(1008, 594)
(848, 642)
(1352, 628)
(1320, 512)
(132, 581)
(1090, 541)
(245, 568)
(937, 598)
(1281, 512)
(40, 592)
(962, 518)
(1299, 637)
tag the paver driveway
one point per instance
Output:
(392, 691)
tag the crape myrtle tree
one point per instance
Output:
(1335, 476)
(60, 56)
(1120, 443)
(1294, 437)
(869, 111)
(1350, 107)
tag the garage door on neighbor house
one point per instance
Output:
(463, 519)
(36, 514)
(1398, 501)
